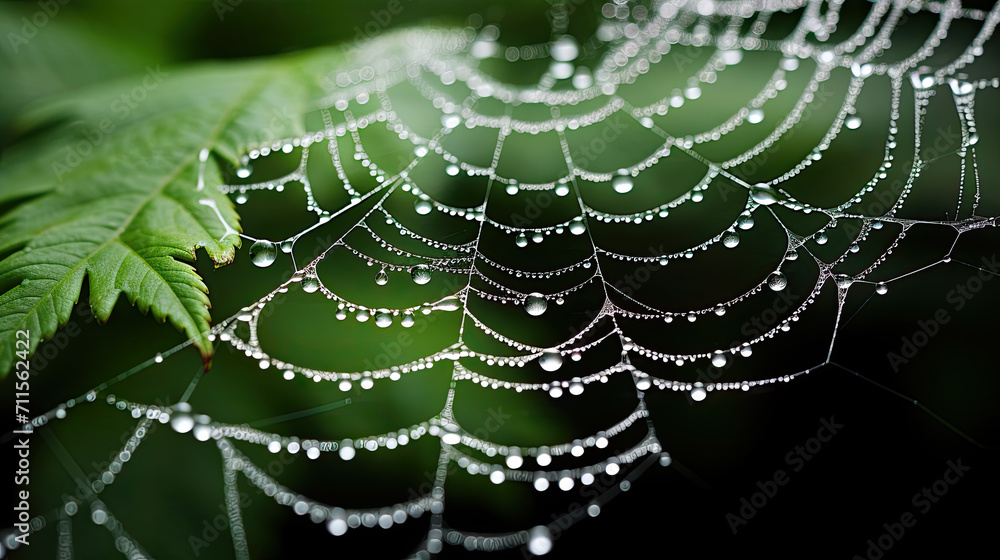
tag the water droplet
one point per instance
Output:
(792, 255)
(538, 237)
(263, 253)
(822, 238)
(244, 171)
(550, 360)
(535, 304)
(286, 247)
(881, 288)
(853, 122)
(181, 421)
(450, 121)
(755, 116)
(514, 460)
(383, 320)
(622, 183)
(521, 240)
(745, 222)
(746, 351)
(698, 392)
(718, 359)
(731, 239)
(310, 283)
(844, 281)
(576, 227)
(564, 49)
(381, 278)
(561, 70)
(512, 189)
(543, 458)
(731, 57)
(423, 207)
(421, 274)
(407, 320)
(582, 78)
(539, 540)
(763, 194)
(777, 281)
(961, 86)
(448, 304)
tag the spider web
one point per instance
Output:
(516, 207)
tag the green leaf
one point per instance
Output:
(111, 195)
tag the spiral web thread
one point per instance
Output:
(439, 64)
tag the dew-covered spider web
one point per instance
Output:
(689, 202)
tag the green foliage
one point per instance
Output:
(107, 189)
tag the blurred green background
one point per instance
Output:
(169, 495)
